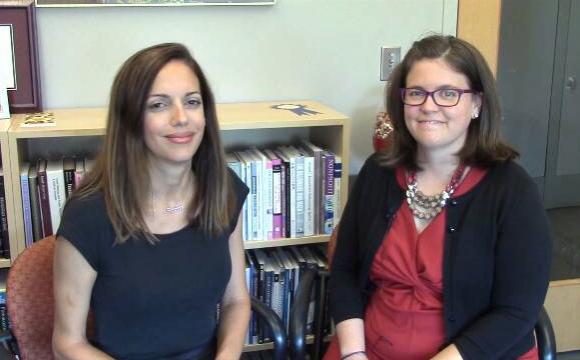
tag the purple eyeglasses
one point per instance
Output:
(441, 97)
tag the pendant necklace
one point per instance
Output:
(174, 209)
(427, 207)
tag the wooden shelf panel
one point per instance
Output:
(92, 121)
(285, 242)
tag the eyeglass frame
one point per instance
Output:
(432, 95)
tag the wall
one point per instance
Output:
(324, 50)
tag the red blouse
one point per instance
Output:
(404, 318)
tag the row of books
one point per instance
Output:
(45, 186)
(272, 276)
(4, 238)
(4, 320)
(294, 190)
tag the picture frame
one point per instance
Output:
(21, 64)
(4, 108)
(94, 3)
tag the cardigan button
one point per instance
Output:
(451, 229)
(451, 319)
(453, 202)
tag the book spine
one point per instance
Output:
(329, 193)
(35, 208)
(56, 196)
(260, 195)
(255, 207)
(300, 196)
(4, 220)
(269, 198)
(246, 209)
(337, 188)
(44, 204)
(292, 197)
(268, 288)
(308, 196)
(69, 180)
(26, 212)
(277, 199)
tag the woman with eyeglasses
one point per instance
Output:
(444, 249)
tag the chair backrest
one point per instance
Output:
(30, 300)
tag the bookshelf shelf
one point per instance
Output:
(285, 242)
(246, 124)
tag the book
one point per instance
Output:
(309, 193)
(286, 193)
(316, 153)
(300, 184)
(328, 192)
(26, 210)
(337, 188)
(277, 201)
(4, 218)
(56, 191)
(34, 203)
(267, 284)
(43, 198)
(237, 166)
(68, 166)
(252, 199)
(79, 172)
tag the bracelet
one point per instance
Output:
(353, 353)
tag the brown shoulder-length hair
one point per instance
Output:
(483, 145)
(121, 168)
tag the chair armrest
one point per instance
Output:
(275, 324)
(545, 337)
(299, 315)
(6, 338)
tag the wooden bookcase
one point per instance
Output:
(78, 131)
(9, 192)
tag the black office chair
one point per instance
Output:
(318, 279)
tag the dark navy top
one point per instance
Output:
(151, 301)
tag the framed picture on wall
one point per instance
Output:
(19, 55)
(89, 3)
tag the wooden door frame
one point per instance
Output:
(478, 22)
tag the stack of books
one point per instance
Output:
(273, 275)
(45, 186)
(294, 191)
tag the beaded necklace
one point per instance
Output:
(427, 207)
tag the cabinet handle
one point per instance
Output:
(570, 83)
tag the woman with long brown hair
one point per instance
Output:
(443, 250)
(151, 241)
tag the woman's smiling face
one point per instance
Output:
(436, 127)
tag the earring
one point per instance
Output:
(475, 113)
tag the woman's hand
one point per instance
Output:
(351, 338)
(449, 353)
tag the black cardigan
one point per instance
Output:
(496, 264)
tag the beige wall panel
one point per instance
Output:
(478, 22)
